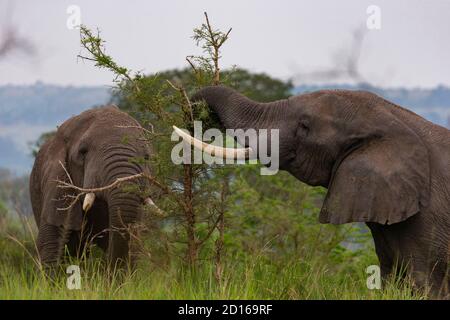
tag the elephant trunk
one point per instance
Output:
(122, 205)
(125, 209)
(236, 111)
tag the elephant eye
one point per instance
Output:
(303, 127)
(147, 157)
(83, 150)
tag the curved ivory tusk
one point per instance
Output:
(149, 202)
(88, 201)
(215, 151)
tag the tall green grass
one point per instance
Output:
(255, 276)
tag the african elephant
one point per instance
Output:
(382, 164)
(94, 148)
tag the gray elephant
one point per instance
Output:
(95, 148)
(382, 164)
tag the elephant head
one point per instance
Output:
(90, 150)
(364, 149)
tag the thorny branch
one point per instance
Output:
(212, 42)
(194, 68)
(94, 45)
(183, 92)
(184, 192)
(216, 40)
(115, 184)
(67, 173)
(210, 231)
(151, 131)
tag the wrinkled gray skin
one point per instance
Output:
(95, 152)
(382, 164)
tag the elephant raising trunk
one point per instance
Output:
(382, 164)
(237, 112)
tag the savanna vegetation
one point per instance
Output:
(225, 232)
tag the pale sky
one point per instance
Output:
(281, 38)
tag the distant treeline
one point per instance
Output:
(28, 111)
(42, 104)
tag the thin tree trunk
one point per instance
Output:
(221, 228)
(190, 216)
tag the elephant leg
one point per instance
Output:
(430, 278)
(383, 251)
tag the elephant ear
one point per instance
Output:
(387, 180)
(55, 199)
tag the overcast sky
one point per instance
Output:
(283, 38)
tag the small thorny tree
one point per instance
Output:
(193, 197)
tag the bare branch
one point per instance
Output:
(115, 184)
(216, 40)
(211, 230)
(67, 173)
(151, 131)
(93, 44)
(183, 92)
(191, 64)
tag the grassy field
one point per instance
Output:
(255, 276)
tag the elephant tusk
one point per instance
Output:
(149, 202)
(215, 151)
(88, 201)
